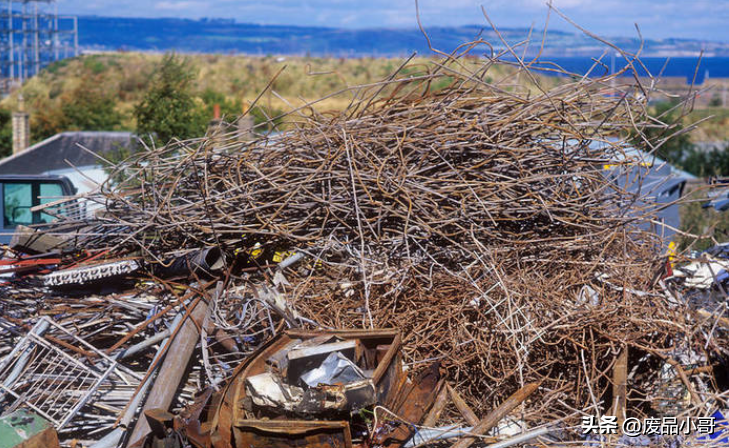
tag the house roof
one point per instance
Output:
(57, 152)
(656, 162)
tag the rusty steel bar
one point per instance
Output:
(494, 417)
(172, 370)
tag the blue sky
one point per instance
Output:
(697, 19)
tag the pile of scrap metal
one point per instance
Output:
(215, 300)
(703, 283)
(88, 351)
(336, 388)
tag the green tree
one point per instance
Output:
(168, 109)
(715, 101)
(714, 162)
(6, 133)
(231, 109)
(713, 226)
(90, 108)
(46, 119)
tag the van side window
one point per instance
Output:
(18, 200)
(49, 192)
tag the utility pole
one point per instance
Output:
(11, 45)
(55, 35)
(36, 40)
(75, 36)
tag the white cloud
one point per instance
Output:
(561, 4)
(178, 6)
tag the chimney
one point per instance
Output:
(216, 127)
(21, 127)
(219, 130)
(245, 125)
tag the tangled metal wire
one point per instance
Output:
(475, 215)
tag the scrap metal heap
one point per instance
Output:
(474, 215)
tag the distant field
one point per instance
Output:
(240, 79)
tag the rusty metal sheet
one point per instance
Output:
(413, 402)
(292, 434)
(159, 420)
(198, 434)
(221, 420)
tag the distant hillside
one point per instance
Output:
(225, 36)
(117, 81)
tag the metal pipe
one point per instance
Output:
(427, 435)
(291, 260)
(134, 349)
(11, 38)
(55, 40)
(521, 438)
(75, 36)
(24, 43)
(36, 39)
(202, 262)
(112, 439)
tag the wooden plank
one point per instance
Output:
(33, 242)
(172, 369)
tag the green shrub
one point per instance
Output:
(93, 64)
(712, 226)
(90, 108)
(56, 66)
(168, 109)
(230, 109)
